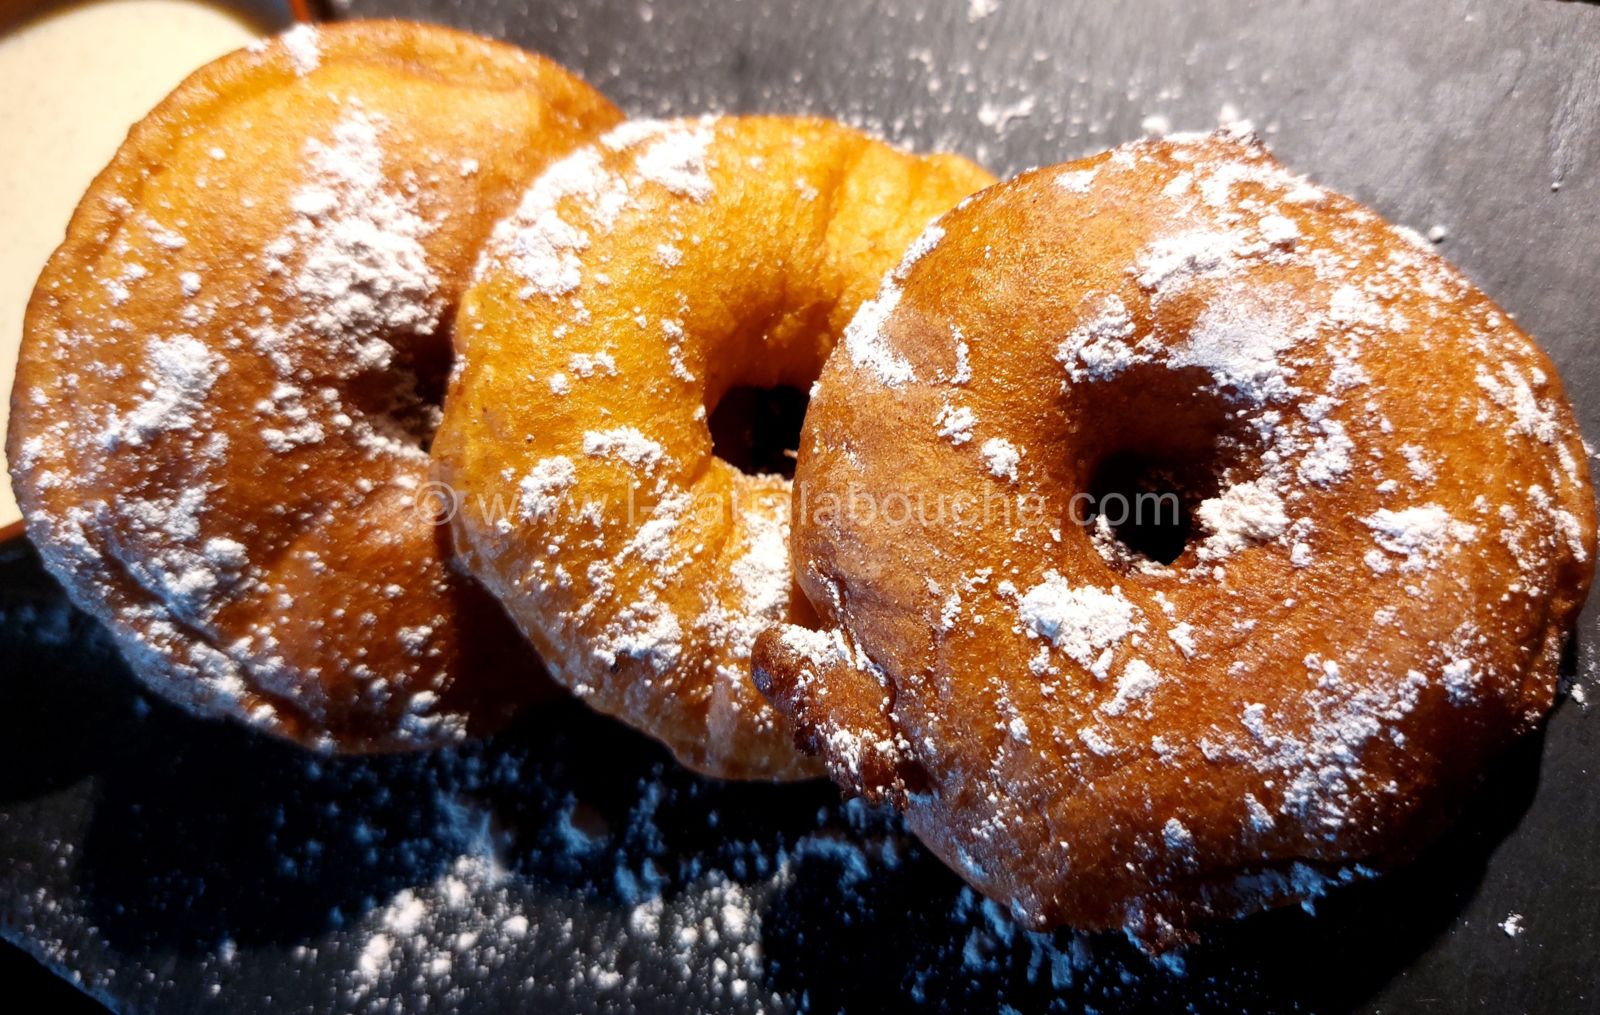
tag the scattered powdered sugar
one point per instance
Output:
(1085, 622)
(821, 648)
(1171, 263)
(1002, 457)
(586, 364)
(924, 244)
(762, 573)
(962, 374)
(653, 541)
(955, 424)
(626, 444)
(188, 573)
(977, 10)
(180, 372)
(1238, 339)
(1136, 682)
(1511, 391)
(1512, 925)
(1417, 533)
(1182, 635)
(672, 153)
(999, 116)
(1572, 531)
(542, 488)
(867, 345)
(1098, 349)
(761, 580)
(1156, 125)
(303, 46)
(541, 243)
(1277, 230)
(536, 242)
(1328, 459)
(1077, 181)
(644, 629)
(1240, 515)
(363, 271)
(1326, 774)
(1460, 680)
(1417, 463)
(1177, 836)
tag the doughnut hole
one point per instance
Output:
(1144, 503)
(1156, 443)
(403, 399)
(757, 430)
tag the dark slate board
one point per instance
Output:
(168, 864)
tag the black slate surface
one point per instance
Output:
(168, 864)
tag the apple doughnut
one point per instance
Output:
(642, 279)
(230, 374)
(1390, 531)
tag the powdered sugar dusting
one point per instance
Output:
(542, 488)
(304, 47)
(1084, 622)
(1098, 349)
(362, 268)
(1417, 534)
(1137, 681)
(761, 581)
(581, 193)
(181, 372)
(955, 423)
(1001, 457)
(626, 444)
(646, 629)
(1242, 514)
(676, 159)
(868, 347)
(1239, 339)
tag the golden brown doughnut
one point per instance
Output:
(642, 278)
(1392, 530)
(229, 372)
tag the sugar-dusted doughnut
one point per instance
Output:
(1390, 529)
(642, 279)
(230, 371)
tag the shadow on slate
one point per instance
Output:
(203, 833)
(62, 701)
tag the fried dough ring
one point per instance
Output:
(643, 278)
(1393, 533)
(219, 420)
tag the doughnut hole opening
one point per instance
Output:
(1142, 504)
(403, 398)
(757, 430)
(1158, 443)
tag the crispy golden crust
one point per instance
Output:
(1393, 531)
(219, 415)
(642, 278)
